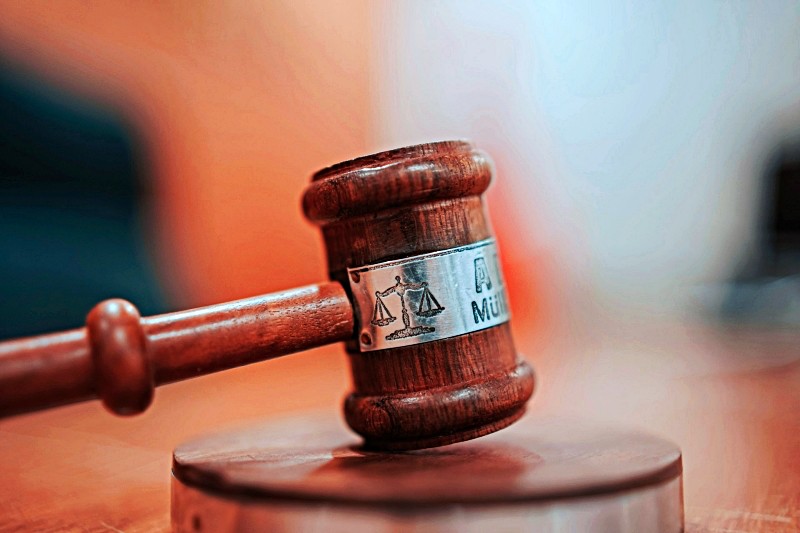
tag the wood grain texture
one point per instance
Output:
(316, 459)
(120, 356)
(394, 204)
(526, 471)
(728, 399)
(398, 204)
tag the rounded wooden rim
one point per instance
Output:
(641, 460)
(397, 178)
(389, 156)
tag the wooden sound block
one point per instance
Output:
(309, 474)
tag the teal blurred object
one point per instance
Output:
(765, 289)
(72, 180)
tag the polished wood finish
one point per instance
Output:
(398, 204)
(118, 347)
(592, 474)
(727, 398)
(394, 204)
(120, 356)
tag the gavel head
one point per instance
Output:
(432, 357)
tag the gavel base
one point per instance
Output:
(538, 475)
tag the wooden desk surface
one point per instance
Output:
(731, 400)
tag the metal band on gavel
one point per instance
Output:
(435, 296)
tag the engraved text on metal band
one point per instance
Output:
(429, 297)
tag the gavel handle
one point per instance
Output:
(120, 356)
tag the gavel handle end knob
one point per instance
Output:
(122, 372)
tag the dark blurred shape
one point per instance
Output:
(784, 211)
(767, 288)
(71, 183)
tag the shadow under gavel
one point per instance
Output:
(416, 294)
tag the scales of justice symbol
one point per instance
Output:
(428, 307)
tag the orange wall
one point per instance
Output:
(237, 103)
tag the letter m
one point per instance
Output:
(482, 313)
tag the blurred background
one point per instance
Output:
(647, 201)
(159, 152)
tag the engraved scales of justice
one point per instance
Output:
(428, 307)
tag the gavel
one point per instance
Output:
(416, 293)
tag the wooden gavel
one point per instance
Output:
(413, 217)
